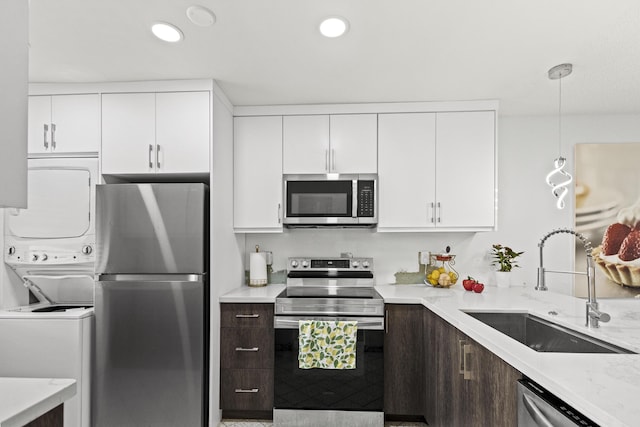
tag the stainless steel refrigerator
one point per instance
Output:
(151, 305)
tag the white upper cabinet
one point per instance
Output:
(64, 123)
(148, 133)
(466, 169)
(319, 144)
(437, 171)
(406, 170)
(257, 171)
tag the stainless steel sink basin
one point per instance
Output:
(544, 336)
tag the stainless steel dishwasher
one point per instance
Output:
(539, 408)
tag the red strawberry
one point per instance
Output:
(630, 248)
(613, 238)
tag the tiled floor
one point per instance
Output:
(268, 423)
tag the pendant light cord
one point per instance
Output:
(560, 118)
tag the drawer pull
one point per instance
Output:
(247, 349)
(242, 390)
(247, 316)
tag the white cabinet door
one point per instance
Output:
(257, 163)
(353, 143)
(406, 171)
(39, 117)
(64, 123)
(465, 184)
(128, 133)
(306, 144)
(182, 132)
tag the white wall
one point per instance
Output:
(527, 147)
(226, 247)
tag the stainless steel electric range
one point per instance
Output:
(332, 289)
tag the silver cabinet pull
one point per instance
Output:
(386, 321)
(244, 390)
(150, 151)
(333, 160)
(279, 214)
(439, 211)
(433, 213)
(326, 160)
(253, 349)
(247, 316)
(53, 136)
(468, 373)
(46, 131)
(158, 155)
(461, 345)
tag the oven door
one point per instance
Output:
(359, 389)
(319, 201)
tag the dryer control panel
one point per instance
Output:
(28, 255)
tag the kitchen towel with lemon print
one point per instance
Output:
(327, 344)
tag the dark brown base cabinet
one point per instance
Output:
(403, 361)
(246, 359)
(465, 384)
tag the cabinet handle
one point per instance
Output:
(247, 316)
(439, 211)
(244, 390)
(253, 349)
(433, 213)
(53, 136)
(46, 131)
(279, 214)
(386, 321)
(158, 156)
(333, 160)
(150, 151)
(326, 160)
(461, 344)
(468, 373)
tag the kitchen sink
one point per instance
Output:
(543, 335)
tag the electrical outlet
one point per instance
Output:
(424, 257)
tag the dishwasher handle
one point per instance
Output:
(535, 412)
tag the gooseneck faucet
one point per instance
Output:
(593, 315)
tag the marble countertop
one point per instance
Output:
(605, 387)
(25, 399)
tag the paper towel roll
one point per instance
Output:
(258, 269)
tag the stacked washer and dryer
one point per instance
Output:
(49, 247)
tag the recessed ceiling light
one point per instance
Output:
(334, 27)
(166, 32)
(201, 16)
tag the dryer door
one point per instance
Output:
(59, 204)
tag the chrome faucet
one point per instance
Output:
(593, 315)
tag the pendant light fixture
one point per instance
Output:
(559, 179)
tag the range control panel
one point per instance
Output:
(329, 264)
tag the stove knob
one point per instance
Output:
(365, 264)
(11, 250)
(86, 249)
(294, 263)
(34, 257)
(305, 264)
(355, 264)
(44, 257)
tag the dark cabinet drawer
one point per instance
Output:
(246, 389)
(246, 348)
(246, 315)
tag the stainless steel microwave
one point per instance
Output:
(330, 200)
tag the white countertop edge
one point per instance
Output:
(25, 399)
(247, 294)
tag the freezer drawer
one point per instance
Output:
(151, 228)
(151, 361)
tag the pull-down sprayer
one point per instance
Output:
(593, 315)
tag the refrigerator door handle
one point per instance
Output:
(149, 277)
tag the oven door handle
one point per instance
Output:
(369, 324)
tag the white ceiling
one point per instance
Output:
(265, 52)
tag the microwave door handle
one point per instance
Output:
(354, 202)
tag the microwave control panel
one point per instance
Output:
(366, 199)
